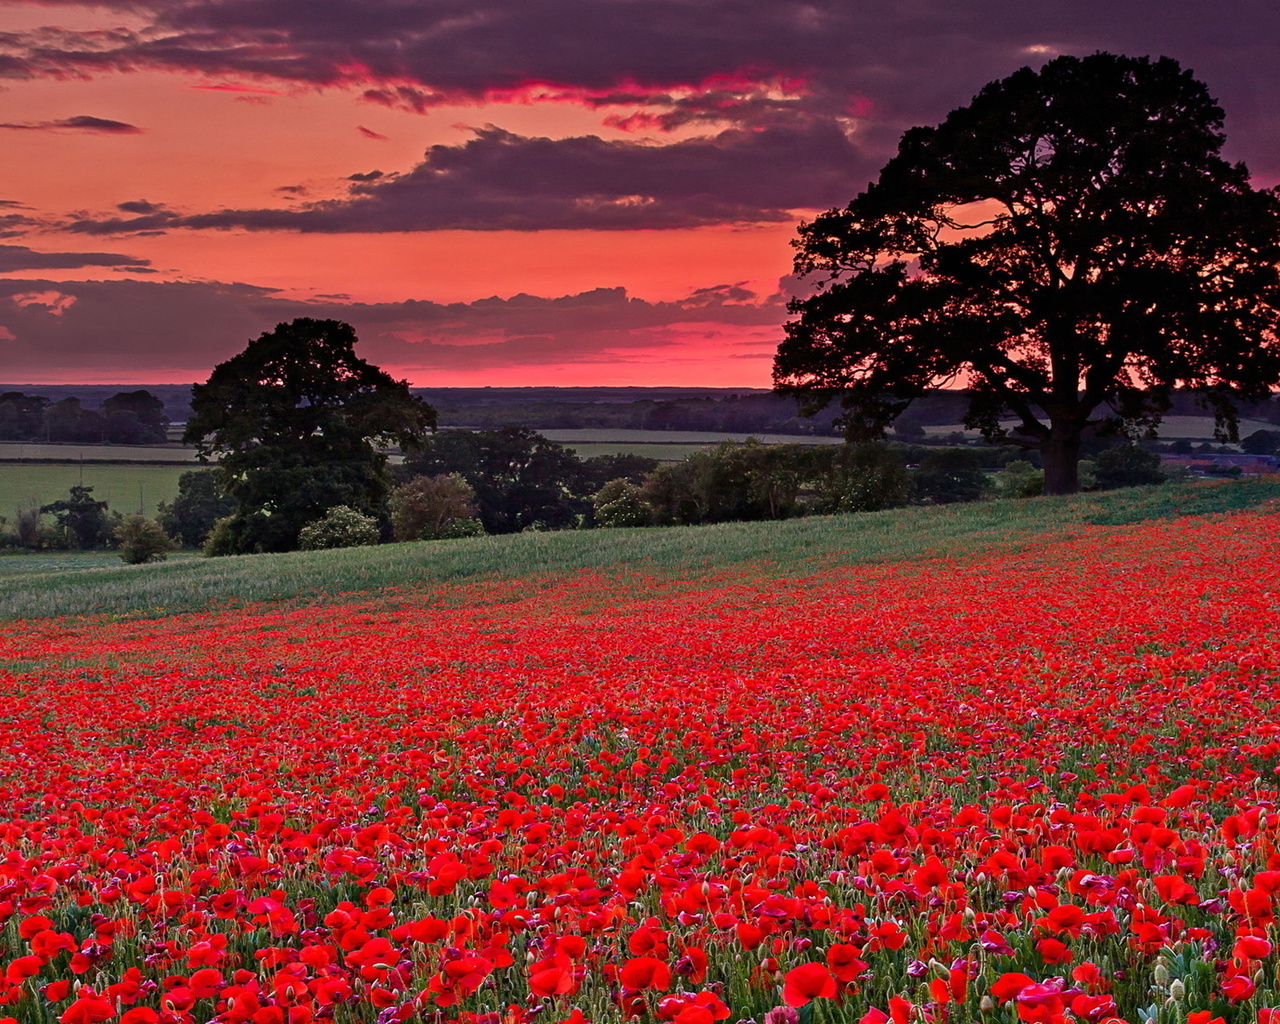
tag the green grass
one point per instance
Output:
(1189, 428)
(795, 547)
(124, 488)
(88, 453)
(700, 438)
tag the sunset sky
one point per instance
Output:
(504, 192)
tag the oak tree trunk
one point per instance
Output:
(1059, 454)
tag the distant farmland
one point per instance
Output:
(126, 488)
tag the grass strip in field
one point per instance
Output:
(789, 548)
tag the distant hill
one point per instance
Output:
(726, 410)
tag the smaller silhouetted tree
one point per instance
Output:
(80, 517)
(134, 417)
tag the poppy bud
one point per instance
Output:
(1161, 975)
(1177, 991)
(986, 1005)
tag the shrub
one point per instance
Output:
(200, 503)
(1127, 465)
(142, 539)
(948, 475)
(862, 478)
(1020, 479)
(620, 503)
(341, 527)
(426, 507)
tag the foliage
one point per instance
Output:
(730, 482)
(861, 478)
(130, 417)
(339, 527)
(432, 508)
(521, 480)
(81, 518)
(299, 422)
(200, 503)
(222, 539)
(26, 526)
(134, 417)
(600, 470)
(1071, 242)
(141, 539)
(621, 503)
(949, 474)
(1261, 442)
(1127, 465)
(1020, 479)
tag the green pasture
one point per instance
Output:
(1172, 428)
(663, 445)
(794, 547)
(17, 451)
(701, 438)
(126, 488)
(659, 452)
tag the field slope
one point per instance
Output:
(790, 547)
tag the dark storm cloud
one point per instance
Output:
(19, 257)
(499, 180)
(812, 66)
(134, 327)
(81, 123)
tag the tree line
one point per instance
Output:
(130, 417)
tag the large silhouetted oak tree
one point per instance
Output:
(297, 421)
(1070, 246)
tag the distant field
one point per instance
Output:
(660, 452)
(663, 445)
(696, 437)
(11, 450)
(1191, 428)
(125, 487)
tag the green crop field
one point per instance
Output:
(126, 488)
(1189, 428)
(790, 548)
(11, 451)
(701, 438)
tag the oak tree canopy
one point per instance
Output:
(1071, 247)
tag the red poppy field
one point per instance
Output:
(1032, 786)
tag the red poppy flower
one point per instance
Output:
(808, 982)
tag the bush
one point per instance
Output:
(200, 503)
(341, 527)
(620, 503)
(1127, 465)
(1020, 479)
(862, 478)
(427, 507)
(221, 540)
(142, 539)
(456, 529)
(948, 475)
